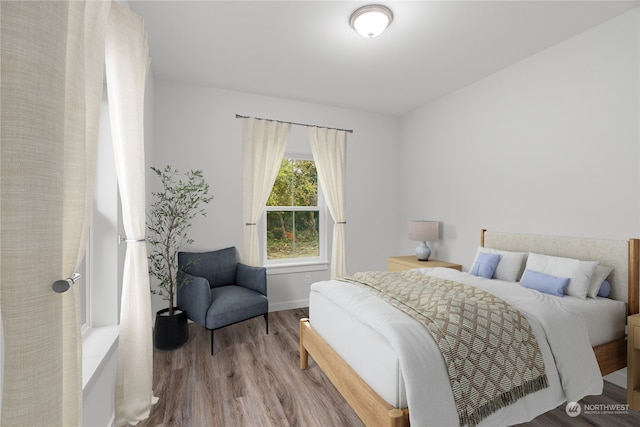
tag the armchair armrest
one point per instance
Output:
(194, 297)
(254, 278)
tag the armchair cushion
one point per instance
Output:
(231, 304)
(218, 267)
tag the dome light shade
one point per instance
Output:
(370, 21)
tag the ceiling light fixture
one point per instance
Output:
(370, 21)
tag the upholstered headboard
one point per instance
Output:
(621, 255)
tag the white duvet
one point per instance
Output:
(570, 363)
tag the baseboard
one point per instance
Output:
(618, 378)
(289, 305)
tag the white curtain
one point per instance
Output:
(263, 146)
(52, 73)
(127, 64)
(329, 148)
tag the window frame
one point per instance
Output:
(285, 265)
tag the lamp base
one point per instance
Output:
(423, 252)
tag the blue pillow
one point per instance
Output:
(605, 289)
(544, 282)
(485, 264)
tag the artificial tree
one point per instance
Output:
(168, 221)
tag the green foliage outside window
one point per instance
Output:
(292, 212)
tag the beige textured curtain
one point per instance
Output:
(52, 73)
(263, 147)
(127, 64)
(329, 148)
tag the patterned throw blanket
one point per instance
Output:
(491, 354)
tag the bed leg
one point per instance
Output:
(304, 355)
(398, 418)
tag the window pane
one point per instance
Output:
(307, 234)
(279, 235)
(295, 185)
(282, 192)
(305, 183)
(292, 234)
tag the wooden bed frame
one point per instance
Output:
(375, 411)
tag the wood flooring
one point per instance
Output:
(254, 380)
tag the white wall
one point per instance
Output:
(549, 145)
(196, 128)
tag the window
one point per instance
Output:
(102, 260)
(100, 275)
(295, 215)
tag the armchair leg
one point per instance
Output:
(266, 319)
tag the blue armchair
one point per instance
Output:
(219, 290)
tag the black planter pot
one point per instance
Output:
(170, 332)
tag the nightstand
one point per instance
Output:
(399, 263)
(633, 362)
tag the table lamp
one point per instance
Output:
(423, 232)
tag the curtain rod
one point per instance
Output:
(238, 116)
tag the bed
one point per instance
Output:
(344, 339)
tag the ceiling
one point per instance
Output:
(306, 50)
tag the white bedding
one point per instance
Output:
(605, 318)
(385, 337)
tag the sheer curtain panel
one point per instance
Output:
(263, 146)
(127, 64)
(329, 148)
(52, 74)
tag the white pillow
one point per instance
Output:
(511, 264)
(579, 272)
(597, 278)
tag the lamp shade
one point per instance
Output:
(423, 231)
(369, 21)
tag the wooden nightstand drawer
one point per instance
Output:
(400, 263)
